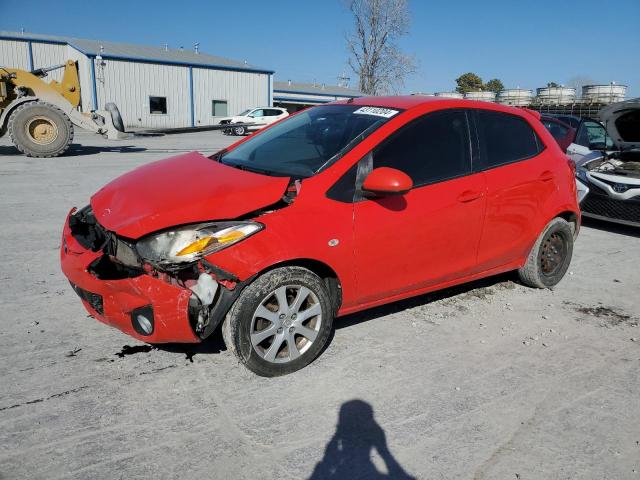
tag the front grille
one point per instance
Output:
(92, 299)
(595, 188)
(627, 210)
(91, 235)
(105, 268)
(86, 229)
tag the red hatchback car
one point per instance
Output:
(333, 210)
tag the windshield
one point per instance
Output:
(305, 143)
(242, 114)
(593, 135)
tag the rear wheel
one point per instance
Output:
(550, 256)
(281, 322)
(39, 129)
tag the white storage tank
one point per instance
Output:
(481, 96)
(610, 93)
(449, 94)
(556, 95)
(518, 97)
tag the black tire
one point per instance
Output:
(23, 123)
(238, 325)
(550, 256)
(116, 118)
(239, 131)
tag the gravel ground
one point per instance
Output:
(491, 380)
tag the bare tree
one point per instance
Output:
(375, 56)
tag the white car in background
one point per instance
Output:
(608, 170)
(258, 118)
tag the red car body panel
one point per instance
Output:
(185, 189)
(413, 252)
(380, 250)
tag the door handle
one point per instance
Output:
(546, 176)
(469, 196)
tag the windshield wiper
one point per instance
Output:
(262, 171)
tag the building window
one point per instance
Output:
(219, 108)
(158, 105)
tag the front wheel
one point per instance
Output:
(239, 130)
(281, 322)
(550, 256)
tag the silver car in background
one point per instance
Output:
(608, 171)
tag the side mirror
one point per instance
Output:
(383, 181)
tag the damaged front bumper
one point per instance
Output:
(151, 306)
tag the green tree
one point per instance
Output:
(493, 85)
(468, 82)
(552, 84)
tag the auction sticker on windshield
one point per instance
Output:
(377, 111)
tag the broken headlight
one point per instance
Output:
(188, 244)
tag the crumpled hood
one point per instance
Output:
(189, 188)
(622, 121)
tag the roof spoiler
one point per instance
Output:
(533, 113)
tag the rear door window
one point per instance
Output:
(433, 148)
(505, 138)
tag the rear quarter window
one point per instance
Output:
(505, 138)
(556, 130)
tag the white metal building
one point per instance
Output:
(296, 96)
(154, 87)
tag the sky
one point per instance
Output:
(526, 44)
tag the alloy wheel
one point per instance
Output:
(286, 323)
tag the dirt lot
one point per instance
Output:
(489, 381)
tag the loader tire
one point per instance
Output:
(39, 129)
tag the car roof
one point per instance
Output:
(407, 102)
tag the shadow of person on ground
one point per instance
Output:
(348, 454)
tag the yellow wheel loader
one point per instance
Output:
(40, 116)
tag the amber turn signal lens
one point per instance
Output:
(196, 246)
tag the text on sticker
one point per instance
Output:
(377, 111)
